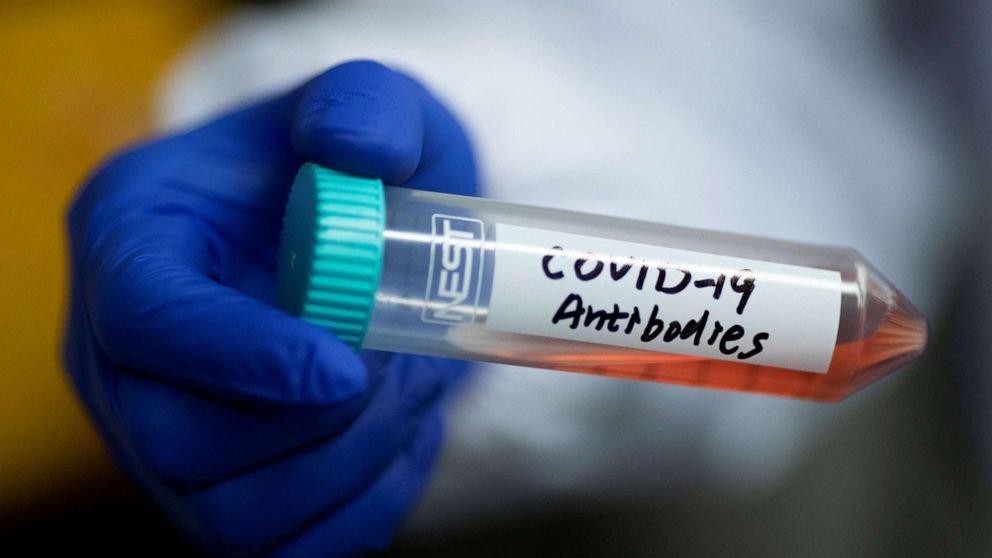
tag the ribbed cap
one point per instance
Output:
(330, 257)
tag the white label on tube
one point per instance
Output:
(611, 292)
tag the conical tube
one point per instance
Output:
(477, 279)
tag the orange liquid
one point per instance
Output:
(899, 339)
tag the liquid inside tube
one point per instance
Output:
(444, 262)
(898, 338)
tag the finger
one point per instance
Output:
(186, 439)
(243, 159)
(241, 163)
(154, 309)
(369, 522)
(273, 500)
(359, 117)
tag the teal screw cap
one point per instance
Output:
(330, 257)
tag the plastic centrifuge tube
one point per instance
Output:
(421, 272)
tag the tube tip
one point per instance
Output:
(905, 329)
(900, 337)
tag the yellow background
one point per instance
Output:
(76, 79)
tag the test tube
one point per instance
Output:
(412, 271)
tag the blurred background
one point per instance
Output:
(906, 473)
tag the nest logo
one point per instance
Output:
(455, 271)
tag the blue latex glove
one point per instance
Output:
(256, 431)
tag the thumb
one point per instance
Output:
(363, 118)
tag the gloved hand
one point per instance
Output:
(256, 431)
